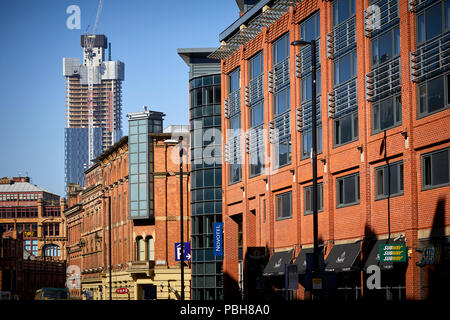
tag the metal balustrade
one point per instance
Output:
(255, 90)
(383, 80)
(303, 60)
(256, 138)
(304, 115)
(431, 58)
(280, 128)
(342, 38)
(233, 103)
(233, 149)
(416, 5)
(343, 99)
(281, 74)
(380, 16)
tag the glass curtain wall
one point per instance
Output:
(206, 182)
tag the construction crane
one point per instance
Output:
(89, 50)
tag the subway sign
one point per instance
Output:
(393, 252)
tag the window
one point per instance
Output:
(140, 249)
(344, 68)
(234, 81)
(389, 184)
(307, 142)
(256, 162)
(51, 229)
(256, 114)
(264, 209)
(386, 46)
(306, 86)
(282, 153)
(281, 101)
(342, 10)
(433, 95)
(32, 247)
(435, 169)
(284, 205)
(51, 250)
(310, 28)
(386, 114)
(235, 124)
(235, 166)
(281, 49)
(150, 248)
(256, 65)
(347, 190)
(432, 21)
(309, 198)
(346, 129)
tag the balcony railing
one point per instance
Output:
(304, 115)
(343, 99)
(303, 60)
(416, 5)
(431, 58)
(255, 139)
(383, 80)
(255, 90)
(280, 74)
(342, 38)
(380, 16)
(233, 149)
(232, 105)
(280, 127)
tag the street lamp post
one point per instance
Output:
(180, 139)
(312, 43)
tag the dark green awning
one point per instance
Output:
(275, 266)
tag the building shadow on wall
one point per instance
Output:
(434, 262)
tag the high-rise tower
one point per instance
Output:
(105, 99)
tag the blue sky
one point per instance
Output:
(145, 35)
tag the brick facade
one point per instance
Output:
(412, 214)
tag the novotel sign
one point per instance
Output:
(218, 238)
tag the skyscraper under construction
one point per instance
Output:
(94, 106)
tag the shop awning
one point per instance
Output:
(275, 266)
(301, 260)
(343, 257)
(374, 255)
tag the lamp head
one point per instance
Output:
(300, 43)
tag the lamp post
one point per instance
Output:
(312, 43)
(109, 245)
(180, 140)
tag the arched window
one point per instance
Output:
(51, 250)
(140, 249)
(150, 248)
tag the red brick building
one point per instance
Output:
(142, 246)
(383, 162)
(28, 208)
(21, 274)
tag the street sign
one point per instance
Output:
(392, 252)
(186, 251)
(218, 238)
(122, 290)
